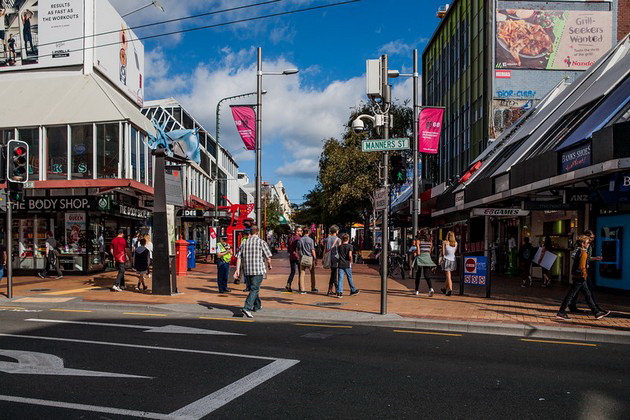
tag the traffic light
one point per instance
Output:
(17, 161)
(16, 191)
(398, 170)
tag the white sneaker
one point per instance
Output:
(431, 292)
(116, 289)
(416, 293)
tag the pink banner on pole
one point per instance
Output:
(245, 119)
(429, 129)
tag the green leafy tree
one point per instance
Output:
(273, 212)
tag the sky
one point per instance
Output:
(329, 47)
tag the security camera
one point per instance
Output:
(358, 126)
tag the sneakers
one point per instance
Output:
(448, 293)
(58, 277)
(562, 316)
(302, 292)
(602, 314)
(443, 290)
(315, 290)
(576, 310)
(356, 292)
(416, 293)
(116, 289)
(523, 284)
(431, 291)
(41, 275)
(247, 313)
(288, 288)
(339, 295)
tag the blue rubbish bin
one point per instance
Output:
(191, 254)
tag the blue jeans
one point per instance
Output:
(223, 271)
(348, 273)
(252, 303)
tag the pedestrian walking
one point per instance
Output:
(345, 266)
(423, 261)
(579, 274)
(52, 256)
(237, 279)
(308, 260)
(254, 253)
(547, 246)
(527, 256)
(573, 303)
(294, 256)
(141, 263)
(224, 256)
(330, 258)
(449, 263)
(120, 251)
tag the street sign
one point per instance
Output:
(380, 199)
(475, 270)
(383, 145)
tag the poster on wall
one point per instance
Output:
(551, 39)
(38, 33)
(75, 231)
(118, 54)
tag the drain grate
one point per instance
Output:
(328, 304)
(39, 290)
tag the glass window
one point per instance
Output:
(133, 145)
(107, 150)
(82, 153)
(31, 136)
(57, 146)
(143, 158)
(150, 169)
(6, 135)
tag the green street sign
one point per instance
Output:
(382, 145)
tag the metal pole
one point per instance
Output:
(385, 236)
(414, 142)
(9, 244)
(259, 75)
(161, 271)
(216, 176)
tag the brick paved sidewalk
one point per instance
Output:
(510, 303)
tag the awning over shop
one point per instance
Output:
(75, 99)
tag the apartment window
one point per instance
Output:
(143, 157)
(82, 151)
(31, 137)
(107, 150)
(133, 155)
(57, 146)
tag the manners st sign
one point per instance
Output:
(384, 145)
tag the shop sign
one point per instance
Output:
(103, 203)
(380, 199)
(551, 206)
(54, 204)
(475, 270)
(134, 212)
(459, 198)
(499, 212)
(578, 196)
(194, 213)
(576, 158)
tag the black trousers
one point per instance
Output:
(294, 269)
(579, 285)
(589, 283)
(52, 261)
(334, 271)
(423, 271)
(120, 278)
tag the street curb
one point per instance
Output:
(529, 331)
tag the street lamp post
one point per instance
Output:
(259, 92)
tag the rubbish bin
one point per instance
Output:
(191, 254)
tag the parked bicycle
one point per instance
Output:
(396, 266)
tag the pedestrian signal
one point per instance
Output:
(398, 170)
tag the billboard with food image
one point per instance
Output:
(551, 39)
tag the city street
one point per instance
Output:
(114, 364)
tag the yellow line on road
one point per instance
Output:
(68, 310)
(324, 325)
(68, 292)
(428, 333)
(227, 319)
(559, 342)
(142, 314)
(11, 307)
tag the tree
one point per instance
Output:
(273, 212)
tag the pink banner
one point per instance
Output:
(429, 129)
(245, 119)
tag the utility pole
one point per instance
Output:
(9, 243)
(161, 265)
(386, 99)
(414, 144)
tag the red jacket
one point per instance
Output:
(294, 255)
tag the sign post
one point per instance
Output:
(384, 145)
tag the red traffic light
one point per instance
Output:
(19, 151)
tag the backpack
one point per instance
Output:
(327, 255)
(527, 253)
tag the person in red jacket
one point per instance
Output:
(120, 252)
(294, 256)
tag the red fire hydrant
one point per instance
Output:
(181, 258)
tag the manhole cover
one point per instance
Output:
(39, 290)
(328, 304)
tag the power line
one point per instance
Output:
(180, 19)
(216, 25)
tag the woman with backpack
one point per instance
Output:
(141, 263)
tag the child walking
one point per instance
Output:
(345, 266)
(141, 262)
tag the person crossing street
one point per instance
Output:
(256, 257)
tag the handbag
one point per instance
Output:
(326, 260)
(306, 261)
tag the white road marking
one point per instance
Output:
(167, 329)
(197, 409)
(34, 363)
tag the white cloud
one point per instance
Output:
(243, 155)
(302, 168)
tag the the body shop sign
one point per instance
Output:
(576, 158)
(52, 204)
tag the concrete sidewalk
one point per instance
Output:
(516, 309)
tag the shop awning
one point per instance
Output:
(75, 99)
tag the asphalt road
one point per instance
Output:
(283, 370)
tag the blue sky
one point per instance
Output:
(329, 47)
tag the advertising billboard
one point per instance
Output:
(551, 39)
(118, 54)
(41, 33)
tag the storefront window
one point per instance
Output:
(82, 152)
(133, 144)
(150, 170)
(31, 136)
(57, 146)
(107, 150)
(143, 158)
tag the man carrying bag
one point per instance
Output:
(308, 259)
